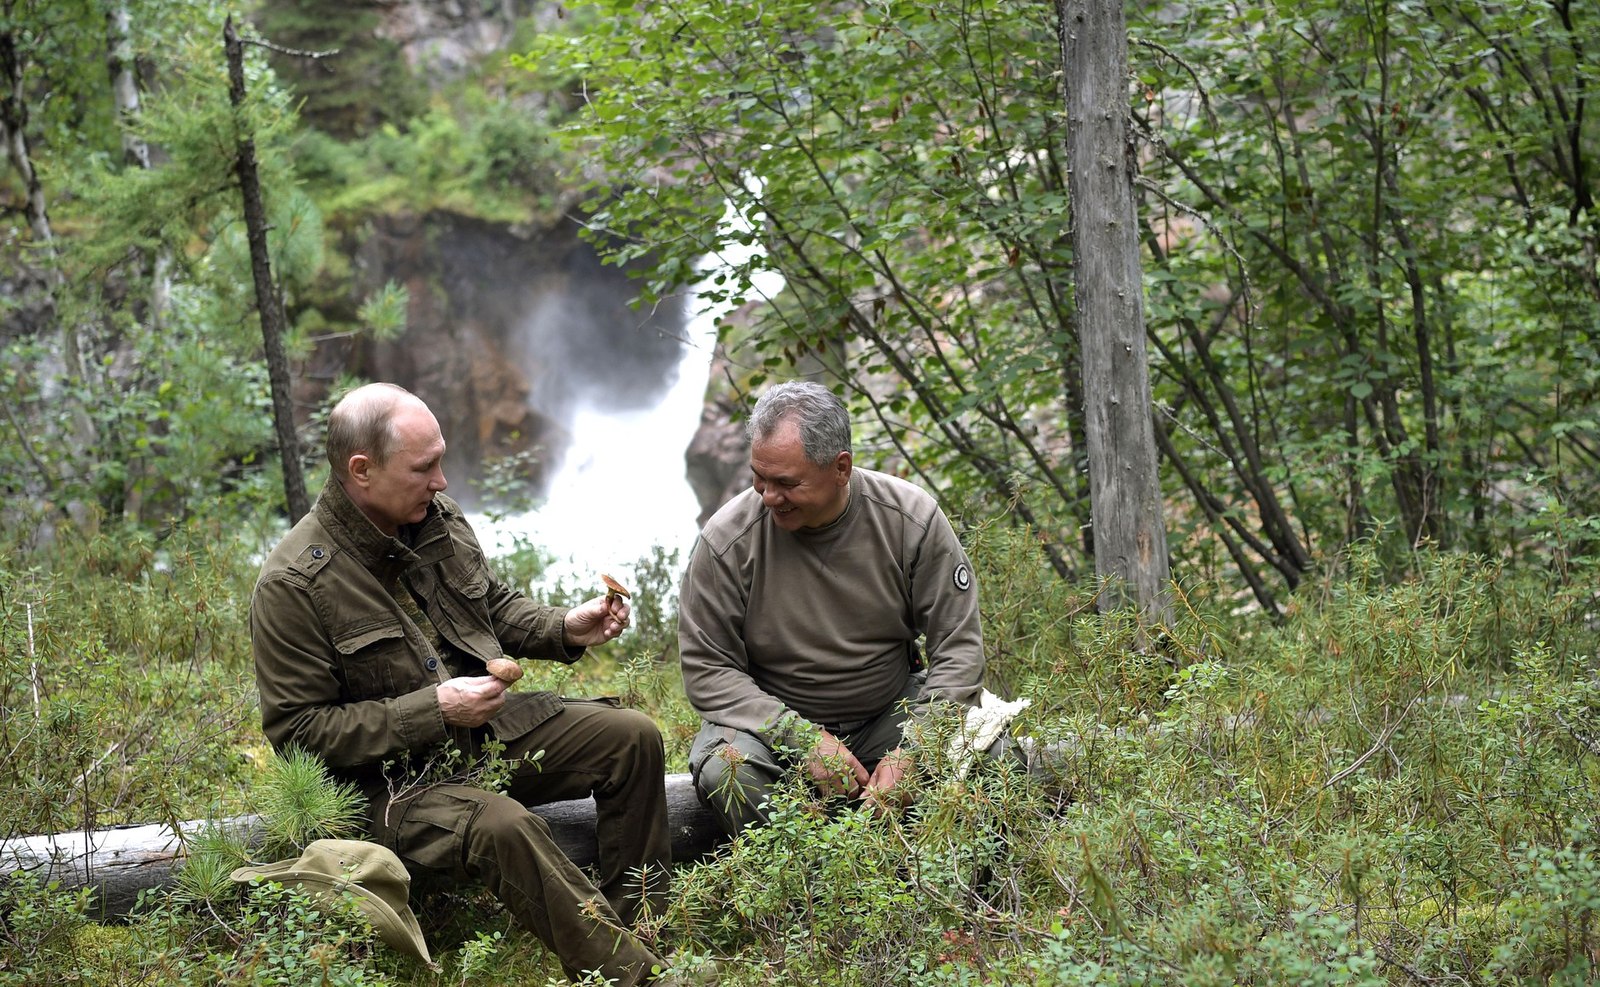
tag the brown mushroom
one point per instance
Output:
(504, 669)
(614, 589)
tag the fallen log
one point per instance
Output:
(120, 862)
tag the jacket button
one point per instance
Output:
(316, 553)
(432, 663)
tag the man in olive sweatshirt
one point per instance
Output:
(801, 611)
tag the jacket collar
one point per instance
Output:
(429, 539)
(355, 533)
(423, 543)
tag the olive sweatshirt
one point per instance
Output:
(823, 625)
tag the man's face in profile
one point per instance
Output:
(399, 490)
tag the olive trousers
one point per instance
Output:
(734, 772)
(465, 833)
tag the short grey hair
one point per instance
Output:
(361, 422)
(817, 412)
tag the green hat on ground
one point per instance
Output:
(372, 873)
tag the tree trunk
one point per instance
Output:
(267, 302)
(121, 65)
(1130, 547)
(124, 85)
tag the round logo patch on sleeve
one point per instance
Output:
(962, 577)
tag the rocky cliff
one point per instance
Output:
(506, 336)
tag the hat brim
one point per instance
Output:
(398, 929)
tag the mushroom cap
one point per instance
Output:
(613, 586)
(504, 669)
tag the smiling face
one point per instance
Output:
(398, 490)
(797, 492)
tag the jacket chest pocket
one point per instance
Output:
(375, 660)
(459, 612)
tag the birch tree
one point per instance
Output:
(122, 66)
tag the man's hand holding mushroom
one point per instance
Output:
(599, 620)
(471, 700)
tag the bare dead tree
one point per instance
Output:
(1130, 549)
(268, 302)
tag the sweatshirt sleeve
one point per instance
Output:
(716, 666)
(302, 703)
(945, 605)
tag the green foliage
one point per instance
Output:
(474, 162)
(655, 606)
(1365, 261)
(291, 938)
(132, 377)
(205, 881)
(859, 155)
(196, 127)
(124, 671)
(502, 483)
(385, 311)
(1556, 910)
(167, 413)
(1371, 185)
(37, 925)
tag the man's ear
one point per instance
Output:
(842, 465)
(360, 465)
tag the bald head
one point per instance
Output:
(363, 422)
(385, 448)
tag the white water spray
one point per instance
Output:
(621, 491)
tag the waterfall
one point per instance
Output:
(621, 490)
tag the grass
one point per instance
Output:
(1398, 784)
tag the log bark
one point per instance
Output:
(120, 863)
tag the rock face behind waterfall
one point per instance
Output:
(506, 335)
(718, 457)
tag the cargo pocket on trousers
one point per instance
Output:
(432, 827)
